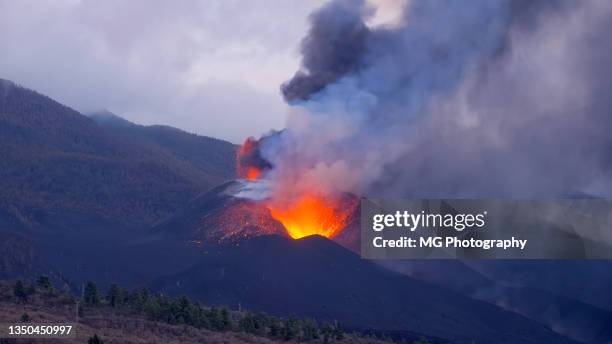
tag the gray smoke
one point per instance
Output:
(333, 47)
(479, 98)
(339, 38)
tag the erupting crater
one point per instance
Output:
(310, 215)
(304, 214)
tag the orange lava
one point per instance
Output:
(310, 215)
(251, 173)
(243, 168)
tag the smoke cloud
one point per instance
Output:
(485, 98)
(482, 98)
(210, 67)
(334, 45)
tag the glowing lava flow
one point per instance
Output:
(310, 215)
(251, 173)
(247, 160)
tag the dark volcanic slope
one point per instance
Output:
(60, 169)
(566, 315)
(316, 277)
(217, 216)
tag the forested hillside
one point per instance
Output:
(61, 169)
(125, 316)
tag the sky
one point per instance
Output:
(211, 67)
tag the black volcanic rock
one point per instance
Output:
(568, 315)
(218, 216)
(316, 277)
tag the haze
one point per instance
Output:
(211, 67)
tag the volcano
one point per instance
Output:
(238, 210)
(313, 276)
(250, 258)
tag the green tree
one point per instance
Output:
(247, 324)
(137, 298)
(276, 328)
(310, 330)
(199, 318)
(338, 331)
(421, 340)
(181, 311)
(114, 295)
(327, 331)
(219, 319)
(44, 283)
(256, 323)
(19, 291)
(95, 340)
(226, 323)
(91, 295)
(291, 328)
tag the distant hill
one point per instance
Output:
(63, 170)
(210, 156)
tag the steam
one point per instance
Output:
(480, 98)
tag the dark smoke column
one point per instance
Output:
(334, 46)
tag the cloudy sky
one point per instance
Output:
(211, 67)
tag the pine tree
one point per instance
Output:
(276, 330)
(247, 324)
(114, 295)
(95, 340)
(291, 328)
(226, 323)
(310, 330)
(421, 340)
(91, 295)
(153, 308)
(19, 291)
(338, 332)
(44, 283)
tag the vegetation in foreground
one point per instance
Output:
(138, 316)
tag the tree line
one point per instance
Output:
(183, 311)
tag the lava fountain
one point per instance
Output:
(304, 214)
(310, 214)
(249, 163)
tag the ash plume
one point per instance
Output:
(483, 98)
(333, 48)
(480, 98)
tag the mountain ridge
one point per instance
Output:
(57, 160)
